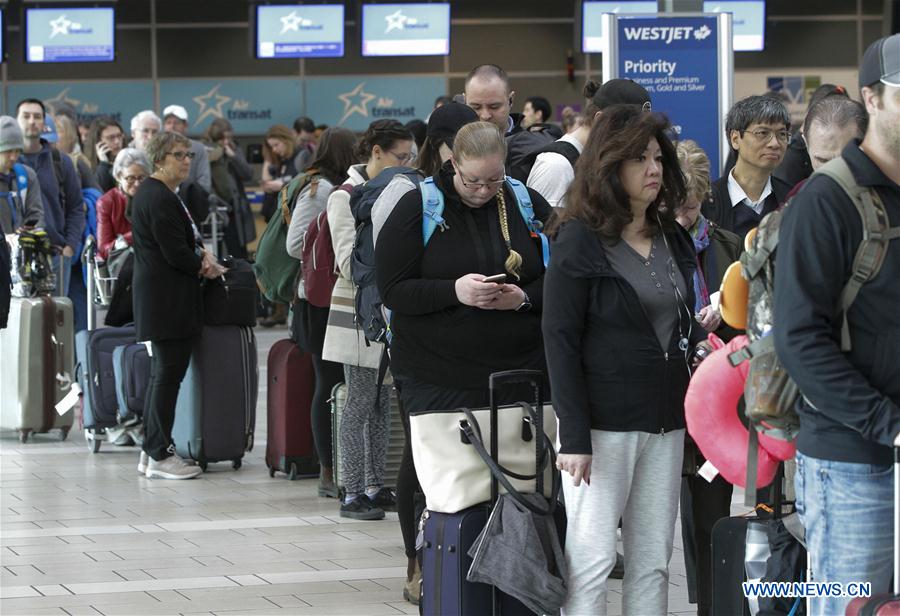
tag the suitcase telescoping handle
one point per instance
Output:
(535, 378)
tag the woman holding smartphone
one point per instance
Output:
(105, 140)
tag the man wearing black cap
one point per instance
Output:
(850, 409)
(554, 165)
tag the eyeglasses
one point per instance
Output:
(134, 179)
(180, 156)
(480, 185)
(406, 156)
(764, 135)
(115, 137)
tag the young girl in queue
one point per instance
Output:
(620, 334)
(364, 429)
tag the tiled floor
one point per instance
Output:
(84, 534)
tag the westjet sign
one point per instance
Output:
(667, 34)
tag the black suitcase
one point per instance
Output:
(231, 298)
(447, 537)
(729, 537)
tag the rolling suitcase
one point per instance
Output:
(94, 370)
(131, 367)
(447, 537)
(38, 357)
(396, 442)
(729, 540)
(292, 382)
(885, 604)
(215, 414)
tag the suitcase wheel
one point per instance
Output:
(236, 464)
(63, 433)
(93, 439)
(271, 471)
(203, 466)
(292, 473)
(23, 435)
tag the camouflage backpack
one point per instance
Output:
(769, 392)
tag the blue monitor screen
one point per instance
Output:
(748, 23)
(593, 37)
(300, 31)
(70, 35)
(406, 29)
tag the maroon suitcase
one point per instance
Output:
(291, 382)
(885, 604)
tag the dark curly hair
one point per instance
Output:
(597, 196)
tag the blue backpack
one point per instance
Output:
(90, 196)
(371, 315)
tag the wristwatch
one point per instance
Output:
(525, 306)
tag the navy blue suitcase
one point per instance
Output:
(94, 370)
(131, 366)
(215, 414)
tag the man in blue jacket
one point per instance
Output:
(850, 409)
(64, 216)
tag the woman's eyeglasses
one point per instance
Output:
(134, 179)
(479, 185)
(402, 158)
(180, 156)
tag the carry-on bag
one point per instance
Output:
(131, 368)
(94, 370)
(396, 438)
(230, 299)
(215, 414)
(447, 538)
(291, 383)
(38, 357)
(885, 604)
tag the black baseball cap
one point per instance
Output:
(446, 120)
(881, 62)
(621, 92)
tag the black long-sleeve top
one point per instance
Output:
(851, 410)
(436, 339)
(607, 368)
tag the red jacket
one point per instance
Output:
(111, 221)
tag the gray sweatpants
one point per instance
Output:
(364, 430)
(635, 476)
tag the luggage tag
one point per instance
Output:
(708, 471)
(69, 400)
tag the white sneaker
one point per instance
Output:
(172, 467)
(185, 461)
(142, 463)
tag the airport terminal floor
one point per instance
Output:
(83, 534)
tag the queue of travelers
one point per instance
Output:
(617, 322)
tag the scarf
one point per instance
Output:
(700, 234)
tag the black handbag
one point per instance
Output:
(230, 299)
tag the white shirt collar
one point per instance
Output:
(738, 195)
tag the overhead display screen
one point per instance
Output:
(748, 21)
(592, 35)
(70, 34)
(406, 29)
(300, 31)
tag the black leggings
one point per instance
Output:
(407, 487)
(167, 369)
(328, 374)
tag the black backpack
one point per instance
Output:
(522, 169)
(523, 142)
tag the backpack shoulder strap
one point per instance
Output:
(21, 177)
(526, 209)
(432, 209)
(58, 172)
(877, 234)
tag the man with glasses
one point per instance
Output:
(758, 130)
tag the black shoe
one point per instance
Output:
(618, 571)
(385, 499)
(361, 509)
